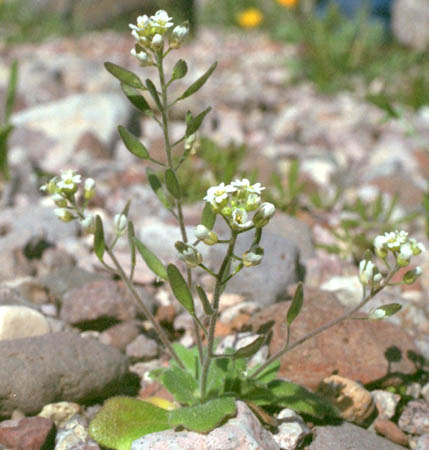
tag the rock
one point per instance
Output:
(414, 390)
(65, 120)
(352, 400)
(56, 367)
(415, 417)
(14, 264)
(29, 433)
(142, 348)
(422, 442)
(409, 22)
(267, 282)
(425, 392)
(21, 322)
(391, 431)
(340, 347)
(10, 296)
(242, 432)
(348, 290)
(100, 300)
(59, 412)
(386, 403)
(291, 431)
(121, 334)
(73, 434)
(349, 436)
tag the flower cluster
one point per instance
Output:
(63, 191)
(401, 247)
(149, 32)
(234, 201)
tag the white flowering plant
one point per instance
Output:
(205, 383)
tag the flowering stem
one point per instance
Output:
(161, 334)
(213, 319)
(287, 348)
(168, 149)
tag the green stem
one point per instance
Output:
(213, 319)
(168, 149)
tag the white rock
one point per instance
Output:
(291, 431)
(20, 322)
(348, 290)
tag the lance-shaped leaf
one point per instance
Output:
(154, 93)
(196, 85)
(132, 143)
(193, 123)
(131, 243)
(204, 300)
(180, 288)
(11, 91)
(156, 186)
(269, 373)
(99, 244)
(124, 75)
(181, 384)
(208, 217)
(180, 69)
(385, 311)
(250, 349)
(4, 136)
(172, 183)
(126, 209)
(205, 417)
(122, 420)
(151, 260)
(135, 98)
(296, 305)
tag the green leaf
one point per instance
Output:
(250, 349)
(11, 91)
(189, 357)
(296, 397)
(151, 260)
(4, 136)
(154, 93)
(181, 384)
(135, 98)
(269, 373)
(193, 123)
(204, 300)
(156, 186)
(180, 288)
(124, 75)
(198, 84)
(296, 305)
(122, 420)
(131, 243)
(172, 183)
(126, 209)
(99, 244)
(180, 69)
(205, 417)
(133, 144)
(208, 217)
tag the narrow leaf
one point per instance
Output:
(124, 75)
(135, 98)
(181, 384)
(122, 420)
(180, 288)
(208, 217)
(156, 186)
(11, 91)
(126, 208)
(154, 93)
(132, 143)
(194, 87)
(250, 349)
(204, 300)
(151, 260)
(194, 123)
(4, 136)
(296, 305)
(99, 244)
(205, 417)
(172, 183)
(180, 69)
(131, 243)
(269, 373)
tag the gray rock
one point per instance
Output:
(21, 322)
(10, 296)
(415, 417)
(348, 436)
(73, 434)
(291, 431)
(243, 432)
(55, 367)
(410, 20)
(142, 348)
(267, 282)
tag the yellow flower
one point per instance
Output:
(250, 18)
(288, 3)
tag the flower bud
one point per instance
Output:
(204, 234)
(89, 189)
(253, 257)
(50, 187)
(263, 214)
(142, 56)
(120, 223)
(188, 254)
(157, 42)
(59, 200)
(88, 224)
(411, 276)
(63, 214)
(252, 202)
(404, 255)
(368, 274)
(178, 35)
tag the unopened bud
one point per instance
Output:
(157, 42)
(411, 276)
(253, 257)
(59, 200)
(263, 214)
(89, 189)
(204, 234)
(178, 35)
(188, 254)
(120, 223)
(63, 214)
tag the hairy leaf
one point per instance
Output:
(124, 75)
(180, 288)
(133, 143)
(198, 84)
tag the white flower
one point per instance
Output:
(120, 223)
(157, 41)
(263, 214)
(417, 247)
(245, 185)
(252, 202)
(69, 181)
(366, 272)
(405, 254)
(188, 254)
(256, 188)
(63, 214)
(179, 35)
(380, 243)
(142, 23)
(161, 20)
(239, 219)
(217, 194)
